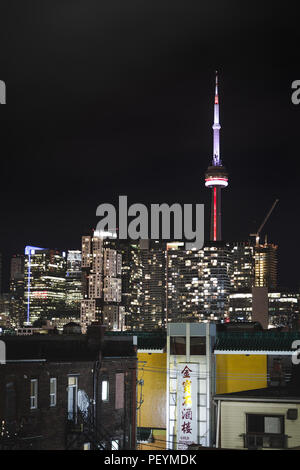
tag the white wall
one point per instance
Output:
(233, 421)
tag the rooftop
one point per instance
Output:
(263, 394)
(60, 348)
(276, 341)
(145, 339)
(289, 392)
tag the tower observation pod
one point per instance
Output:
(216, 176)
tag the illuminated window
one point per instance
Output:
(104, 389)
(72, 397)
(53, 391)
(33, 393)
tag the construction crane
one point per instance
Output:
(256, 235)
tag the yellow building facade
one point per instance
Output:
(234, 373)
(239, 372)
(151, 399)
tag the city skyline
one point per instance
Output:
(216, 160)
(149, 247)
(144, 128)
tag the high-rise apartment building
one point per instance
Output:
(215, 275)
(16, 286)
(131, 283)
(73, 283)
(153, 298)
(164, 283)
(45, 283)
(266, 265)
(283, 308)
(184, 300)
(199, 282)
(242, 266)
(254, 265)
(5, 312)
(102, 284)
(143, 283)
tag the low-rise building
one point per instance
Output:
(151, 388)
(190, 384)
(261, 416)
(68, 391)
(267, 418)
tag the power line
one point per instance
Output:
(221, 375)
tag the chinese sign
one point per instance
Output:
(187, 426)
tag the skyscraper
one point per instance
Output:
(198, 282)
(215, 275)
(266, 265)
(45, 283)
(216, 176)
(184, 300)
(153, 298)
(73, 284)
(102, 284)
(242, 266)
(132, 275)
(283, 308)
(143, 283)
(5, 312)
(16, 286)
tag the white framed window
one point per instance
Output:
(115, 444)
(87, 446)
(53, 391)
(33, 394)
(104, 390)
(72, 397)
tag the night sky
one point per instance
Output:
(116, 97)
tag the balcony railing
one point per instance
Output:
(265, 441)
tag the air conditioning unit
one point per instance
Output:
(292, 413)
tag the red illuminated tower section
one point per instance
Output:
(216, 176)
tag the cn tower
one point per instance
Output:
(216, 176)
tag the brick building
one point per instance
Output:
(68, 391)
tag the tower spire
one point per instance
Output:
(216, 129)
(216, 176)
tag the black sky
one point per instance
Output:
(109, 98)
